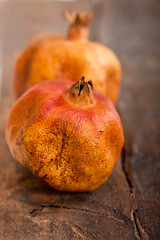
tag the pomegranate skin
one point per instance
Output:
(72, 148)
(72, 56)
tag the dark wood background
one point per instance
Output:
(127, 206)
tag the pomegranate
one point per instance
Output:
(69, 135)
(54, 56)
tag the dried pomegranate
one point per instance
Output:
(70, 136)
(54, 56)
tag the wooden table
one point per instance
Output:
(127, 206)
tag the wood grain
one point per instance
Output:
(127, 205)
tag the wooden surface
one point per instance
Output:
(127, 206)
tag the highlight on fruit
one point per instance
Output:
(68, 134)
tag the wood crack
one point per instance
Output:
(143, 235)
(41, 207)
(127, 170)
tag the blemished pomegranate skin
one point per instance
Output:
(68, 134)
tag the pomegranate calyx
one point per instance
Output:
(81, 93)
(78, 18)
(79, 21)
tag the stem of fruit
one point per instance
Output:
(79, 22)
(76, 32)
(81, 93)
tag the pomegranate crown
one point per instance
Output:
(81, 85)
(78, 18)
(81, 93)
